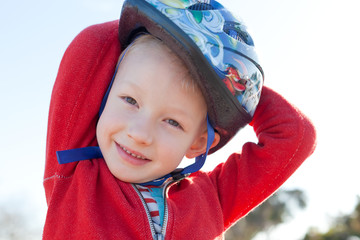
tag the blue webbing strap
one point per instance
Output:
(200, 160)
(103, 102)
(78, 154)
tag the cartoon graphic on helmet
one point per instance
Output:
(224, 41)
(233, 81)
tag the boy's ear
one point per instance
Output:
(199, 145)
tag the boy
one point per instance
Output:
(123, 137)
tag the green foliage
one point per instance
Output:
(345, 227)
(269, 214)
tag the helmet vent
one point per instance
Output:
(238, 32)
(201, 7)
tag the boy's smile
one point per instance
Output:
(151, 120)
(131, 156)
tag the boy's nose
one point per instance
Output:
(140, 131)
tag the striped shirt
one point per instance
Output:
(153, 199)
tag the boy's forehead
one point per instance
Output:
(149, 58)
(151, 47)
(145, 55)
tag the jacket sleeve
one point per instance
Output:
(83, 77)
(285, 139)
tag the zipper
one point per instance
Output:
(167, 184)
(152, 228)
(166, 214)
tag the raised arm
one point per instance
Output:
(285, 139)
(83, 77)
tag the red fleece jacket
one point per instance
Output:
(86, 202)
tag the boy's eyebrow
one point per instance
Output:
(181, 112)
(130, 84)
(174, 109)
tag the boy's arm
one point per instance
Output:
(285, 139)
(83, 77)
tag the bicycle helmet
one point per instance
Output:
(216, 48)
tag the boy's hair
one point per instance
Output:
(187, 81)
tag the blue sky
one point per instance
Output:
(309, 51)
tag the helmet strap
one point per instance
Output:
(78, 154)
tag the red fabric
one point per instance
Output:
(86, 202)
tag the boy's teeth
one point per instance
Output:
(134, 155)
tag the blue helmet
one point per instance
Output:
(215, 47)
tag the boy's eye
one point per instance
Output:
(130, 100)
(173, 123)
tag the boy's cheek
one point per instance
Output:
(100, 132)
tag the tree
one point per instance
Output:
(345, 227)
(268, 215)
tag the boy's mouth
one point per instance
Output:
(131, 156)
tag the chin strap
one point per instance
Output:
(78, 154)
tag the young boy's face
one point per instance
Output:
(150, 121)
